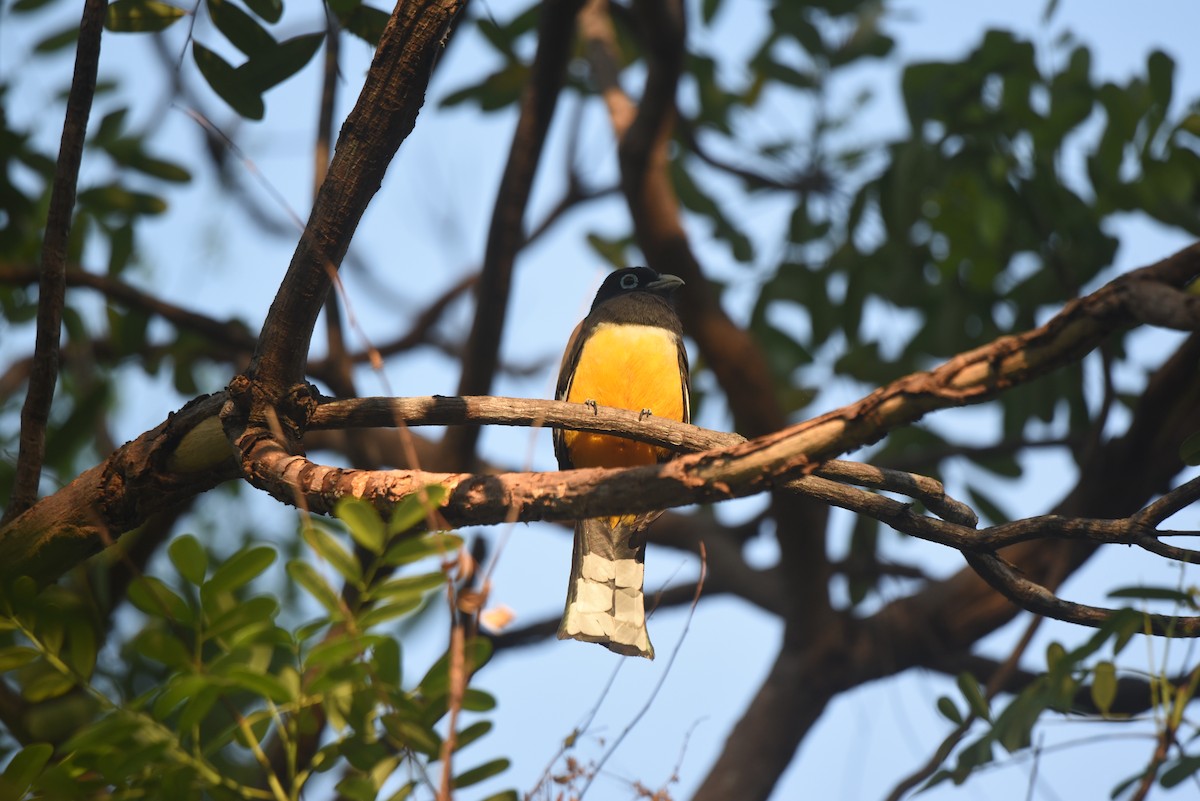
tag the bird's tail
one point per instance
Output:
(604, 600)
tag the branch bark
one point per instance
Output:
(732, 471)
(52, 282)
(382, 118)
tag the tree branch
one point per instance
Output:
(185, 455)
(730, 471)
(35, 413)
(228, 333)
(385, 113)
(457, 411)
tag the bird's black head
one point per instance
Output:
(636, 279)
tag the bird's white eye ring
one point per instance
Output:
(629, 281)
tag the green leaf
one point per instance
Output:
(415, 586)
(506, 795)
(364, 523)
(114, 199)
(16, 656)
(341, 650)
(136, 16)
(1181, 771)
(161, 169)
(949, 710)
(405, 792)
(245, 617)
(333, 552)
(262, 684)
(189, 558)
(1014, 726)
(1125, 623)
(58, 41)
(163, 647)
(197, 708)
(233, 88)
(436, 682)
(1104, 686)
(180, 687)
(389, 611)
(413, 549)
(471, 733)
(25, 6)
(366, 22)
(357, 788)
(269, 10)
(1189, 451)
(25, 767)
(414, 509)
(485, 771)
(111, 124)
(498, 90)
(241, 29)
(81, 646)
(973, 693)
(1160, 70)
(478, 700)
(156, 599)
(1155, 594)
(239, 570)
(268, 68)
(47, 686)
(975, 755)
(1055, 653)
(386, 658)
(307, 577)
(413, 735)
(611, 250)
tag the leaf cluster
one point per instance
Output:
(217, 693)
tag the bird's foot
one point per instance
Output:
(591, 404)
(644, 414)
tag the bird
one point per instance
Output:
(628, 353)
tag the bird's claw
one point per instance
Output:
(644, 414)
(591, 404)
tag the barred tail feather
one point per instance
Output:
(605, 604)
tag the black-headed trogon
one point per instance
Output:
(627, 353)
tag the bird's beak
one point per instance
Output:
(665, 283)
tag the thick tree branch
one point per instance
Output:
(506, 236)
(457, 411)
(52, 282)
(180, 458)
(742, 469)
(385, 113)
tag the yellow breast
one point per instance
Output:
(630, 367)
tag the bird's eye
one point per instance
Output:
(629, 281)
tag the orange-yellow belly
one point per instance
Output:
(630, 367)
